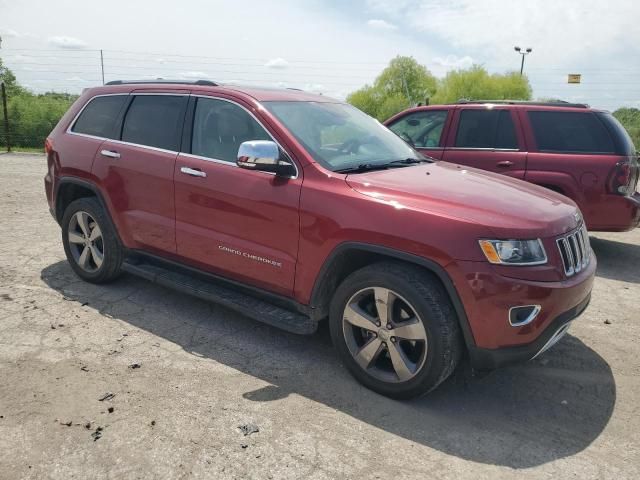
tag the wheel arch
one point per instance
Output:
(70, 189)
(351, 256)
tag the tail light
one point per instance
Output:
(48, 146)
(624, 177)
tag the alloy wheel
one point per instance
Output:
(385, 335)
(85, 241)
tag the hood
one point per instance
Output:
(508, 207)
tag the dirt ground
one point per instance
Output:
(205, 371)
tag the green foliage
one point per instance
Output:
(9, 79)
(630, 119)
(476, 83)
(403, 83)
(31, 116)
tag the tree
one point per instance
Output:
(31, 117)
(9, 79)
(403, 83)
(476, 83)
(630, 119)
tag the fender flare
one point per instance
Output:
(429, 265)
(59, 213)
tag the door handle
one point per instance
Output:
(193, 172)
(110, 154)
(505, 164)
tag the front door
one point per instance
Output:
(486, 138)
(237, 223)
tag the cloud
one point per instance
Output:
(7, 32)
(68, 43)
(557, 31)
(452, 62)
(193, 74)
(381, 25)
(277, 63)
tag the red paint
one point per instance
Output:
(436, 211)
(582, 177)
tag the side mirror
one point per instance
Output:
(265, 156)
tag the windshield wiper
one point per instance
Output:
(367, 167)
(408, 161)
(364, 167)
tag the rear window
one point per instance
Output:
(572, 132)
(621, 139)
(486, 129)
(155, 121)
(99, 116)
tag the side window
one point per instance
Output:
(99, 116)
(421, 129)
(570, 132)
(155, 121)
(219, 127)
(486, 129)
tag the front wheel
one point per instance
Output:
(395, 329)
(90, 243)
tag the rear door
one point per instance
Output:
(487, 137)
(137, 170)
(235, 222)
(423, 130)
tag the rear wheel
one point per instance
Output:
(91, 246)
(395, 329)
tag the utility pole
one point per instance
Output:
(102, 65)
(3, 94)
(526, 52)
(6, 116)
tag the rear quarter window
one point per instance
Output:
(99, 116)
(570, 132)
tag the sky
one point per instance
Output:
(327, 46)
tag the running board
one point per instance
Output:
(241, 302)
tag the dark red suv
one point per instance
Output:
(292, 208)
(578, 151)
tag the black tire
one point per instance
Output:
(424, 294)
(113, 253)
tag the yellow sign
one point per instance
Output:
(574, 78)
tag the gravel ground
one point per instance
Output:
(206, 374)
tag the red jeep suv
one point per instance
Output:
(291, 208)
(580, 152)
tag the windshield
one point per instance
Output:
(340, 136)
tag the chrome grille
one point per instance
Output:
(575, 251)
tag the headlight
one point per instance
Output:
(514, 252)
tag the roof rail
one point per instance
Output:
(552, 103)
(163, 81)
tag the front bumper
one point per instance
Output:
(489, 359)
(487, 296)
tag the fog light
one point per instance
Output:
(524, 315)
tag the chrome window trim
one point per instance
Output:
(75, 119)
(163, 150)
(216, 160)
(148, 147)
